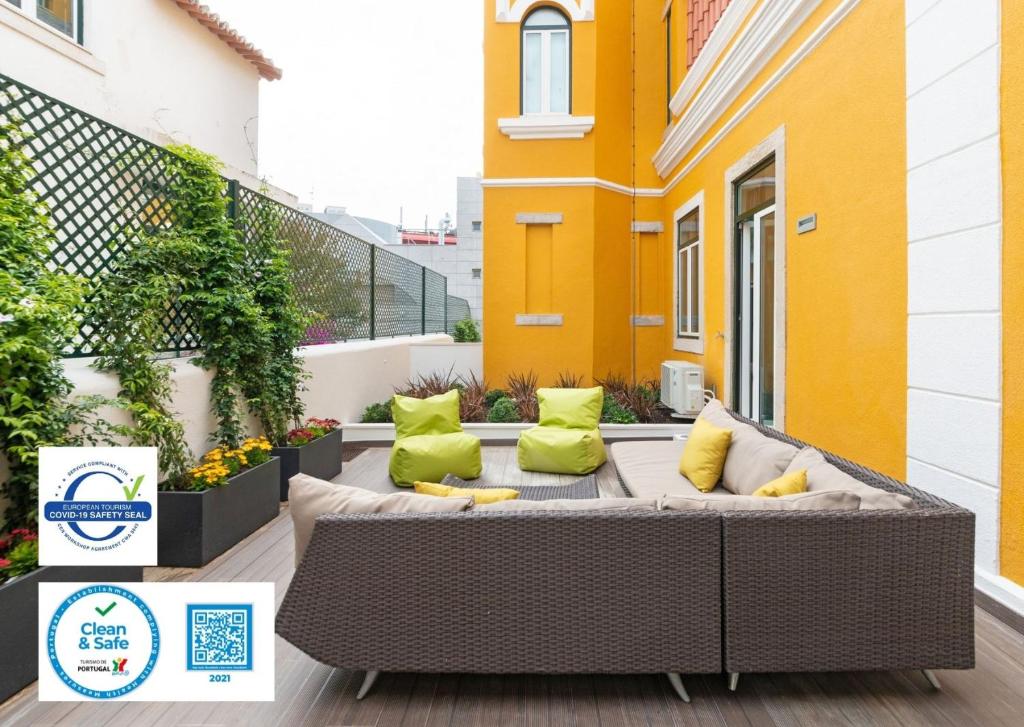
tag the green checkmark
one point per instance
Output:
(130, 494)
(105, 611)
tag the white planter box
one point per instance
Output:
(510, 432)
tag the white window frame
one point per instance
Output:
(546, 34)
(29, 7)
(691, 342)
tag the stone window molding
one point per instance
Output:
(513, 11)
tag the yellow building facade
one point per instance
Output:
(805, 197)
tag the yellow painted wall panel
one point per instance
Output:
(847, 293)
(1012, 137)
(546, 350)
(538, 269)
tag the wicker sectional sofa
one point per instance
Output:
(696, 591)
(857, 590)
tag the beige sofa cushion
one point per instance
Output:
(309, 497)
(630, 504)
(825, 477)
(833, 500)
(753, 458)
(651, 469)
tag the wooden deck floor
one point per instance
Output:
(309, 693)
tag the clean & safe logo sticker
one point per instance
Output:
(97, 505)
(103, 641)
(154, 642)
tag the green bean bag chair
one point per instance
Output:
(429, 441)
(567, 439)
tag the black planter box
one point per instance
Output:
(19, 617)
(195, 527)
(320, 458)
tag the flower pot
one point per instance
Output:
(320, 458)
(19, 617)
(195, 527)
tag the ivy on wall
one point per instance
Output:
(243, 305)
(38, 317)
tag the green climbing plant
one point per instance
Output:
(231, 323)
(39, 316)
(238, 292)
(272, 387)
(130, 306)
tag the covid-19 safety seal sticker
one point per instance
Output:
(97, 506)
(103, 641)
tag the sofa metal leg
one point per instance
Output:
(677, 684)
(368, 681)
(932, 679)
(734, 680)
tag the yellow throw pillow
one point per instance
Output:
(704, 454)
(792, 483)
(480, 495)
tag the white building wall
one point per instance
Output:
(954, 231)
(148, 67)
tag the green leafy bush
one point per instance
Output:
(614, 413)
(504, 411)
(377, 413)
(493, 395)
(466, 331)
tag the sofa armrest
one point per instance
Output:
(538, 592)
(835, 591)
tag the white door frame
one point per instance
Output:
(750, 286)
(774, 144)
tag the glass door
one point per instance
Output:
(755, 296)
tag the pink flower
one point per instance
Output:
(4, 562)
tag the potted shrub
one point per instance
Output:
(313, 449)
(227, 497)
(20, 576)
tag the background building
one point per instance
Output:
(169, 71)
(460, 258)
(813, 199)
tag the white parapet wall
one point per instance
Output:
(344, 379)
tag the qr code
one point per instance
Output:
(219, 637)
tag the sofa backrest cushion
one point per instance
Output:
(309, 497)
(833, 500)
(629, 504)
(753, 459)
(824, 477)
(651, 468)
(434, 415)
(571, 408)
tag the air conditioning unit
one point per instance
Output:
(682, 387)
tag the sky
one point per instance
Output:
(380, 106)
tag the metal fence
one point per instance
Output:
(458, 310)
(104, 187)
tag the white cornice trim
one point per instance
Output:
(812, 42)
(527, 182)
(772, 25)
(723, 32)
(546, 126)
(507, 11)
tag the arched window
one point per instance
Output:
(546, 62)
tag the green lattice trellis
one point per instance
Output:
(104, 186)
